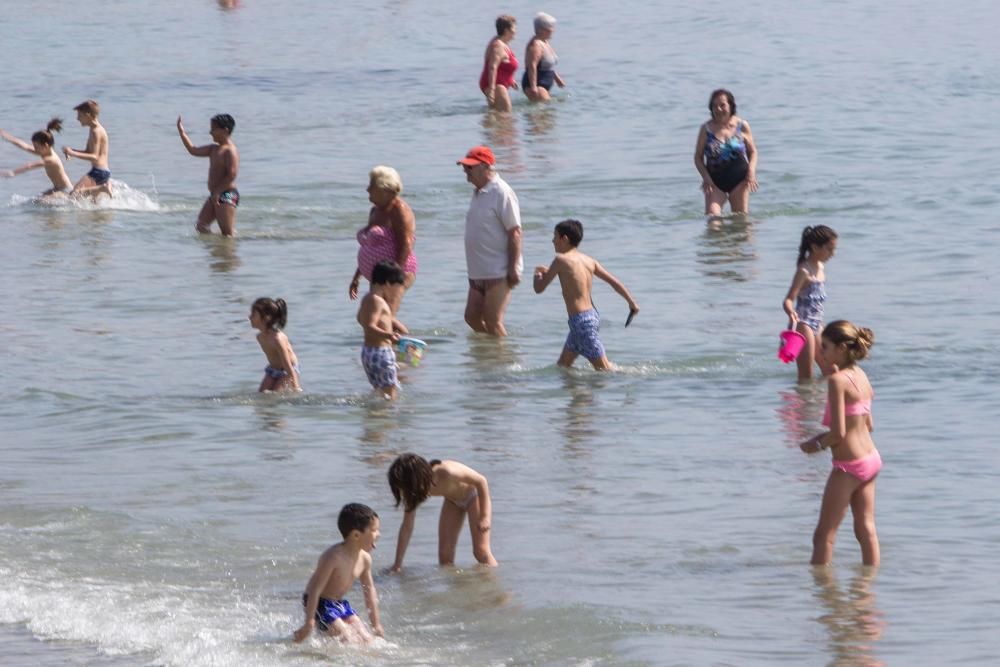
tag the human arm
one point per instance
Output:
(352, 291)
(23, 145)
(403, 540)
(485, 502)
(404, 230)
(543, 276)
(97, 145)
(559, 80)
(493, 59)
(836, 390)
(371, 597)
(197, 151)
(513, 255)
(531, 58)
(751, 157)
(699, 161)
(285, 352)
(369, 319)
(617, 285)
(788, 305)
(23, 168)
(317, 582)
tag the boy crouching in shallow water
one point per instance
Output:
(338, 567)
(576, 273)
(375, 317)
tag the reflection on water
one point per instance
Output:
(270, 416)
(223, 251)
(380, 422)
(500, 134)
(727, 249)
(541, 120)
(852, 620)
(578, 428)
(801, 410)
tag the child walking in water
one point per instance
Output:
(375, 317)
(576, 273)
(42, 143)
(856, 462)
(804, 302)
(336, 571)
(223, 166)
(413, 479)
(269, 316)
(98, 179)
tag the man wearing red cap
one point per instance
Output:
(492, 243)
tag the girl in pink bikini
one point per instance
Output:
(856, 462)
(389, 235)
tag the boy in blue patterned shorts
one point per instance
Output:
(375, 317)
(576, 273)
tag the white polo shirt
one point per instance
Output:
(493, 212)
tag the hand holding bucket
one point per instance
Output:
(792, 343)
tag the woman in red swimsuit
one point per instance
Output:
(499, 65)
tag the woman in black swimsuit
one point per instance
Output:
(726, 157)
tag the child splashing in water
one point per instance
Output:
(856, 462)
(42, 143)
(413, 479)
(804, 302)
(269, 316)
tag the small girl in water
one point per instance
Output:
(269, 316)
(41, 145)
(856, 462)
(413, 479)
(805, 298)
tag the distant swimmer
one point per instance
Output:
(269, 316)
(499, 65)
(807, 294)
(375, 317)
(389, 236)
(413, 479)
(42, 143)
(223, 167)
(726, 157)
(324, 600)
(856, 462)
(98, 179)
(540, 61)
(576, 272)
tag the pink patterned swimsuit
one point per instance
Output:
(868, 465)
(378, 244)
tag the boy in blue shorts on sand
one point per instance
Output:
(335, 573)
(576, 273)
(375, 317)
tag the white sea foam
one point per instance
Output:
(125, 198)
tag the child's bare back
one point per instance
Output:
(374, 310)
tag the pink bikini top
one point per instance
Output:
(851, 409)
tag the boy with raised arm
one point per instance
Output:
(98, 179)
(375, 317)
(223, 166)
(576, 273)
(337, 569)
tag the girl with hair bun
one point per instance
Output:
(41, 145)
(804, 302)
(269, 316)
(856, 462)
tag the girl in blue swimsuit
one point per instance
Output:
(804, 302)
(726, 157)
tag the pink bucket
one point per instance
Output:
(792, 343)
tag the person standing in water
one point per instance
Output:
(726, 157)
(223, 167)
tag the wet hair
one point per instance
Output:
(859, 340)
(89, 106)
(355, 516)
(816, 236)
(504, 23)
(45, 136)
(386, 178)
(544, 21)
(224, 121)
(729, 98)
(274, 312)
(388, 273)
(572, 230)
(410, 479)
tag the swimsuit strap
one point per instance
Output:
(856, 387)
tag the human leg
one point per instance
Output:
(501, 99)
(206, 216)
(449, 526)
(474, 305)
(809, 351)
(836, 499)
(480, 538)
(567, 358)
(739, 198)
(225, 213)
(358, 630)
(714, 201)
(863, 510)
(494, 306)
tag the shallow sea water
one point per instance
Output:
(155, 510)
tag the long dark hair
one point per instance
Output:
(274, 312)
(410, 478)
(814, 236)
(45, 136)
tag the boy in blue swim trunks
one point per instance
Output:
(223, 167)
(98, 179)
(338, 567)
(576, 273)
(375, 317)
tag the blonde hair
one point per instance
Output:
(858, 340)
(386, 178)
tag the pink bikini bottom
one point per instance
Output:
(864, 468)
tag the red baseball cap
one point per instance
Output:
(478, 155)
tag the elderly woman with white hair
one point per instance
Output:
(388, 236)
(540, 61)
